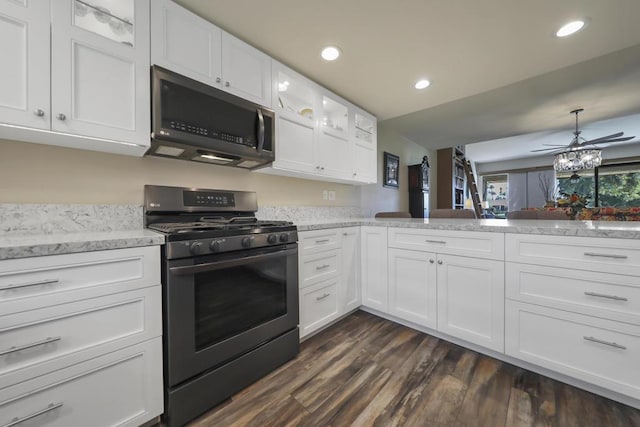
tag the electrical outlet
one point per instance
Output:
(332, 195)
(325, 195)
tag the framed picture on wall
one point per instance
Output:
(391, 165)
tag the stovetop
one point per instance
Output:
(185, 227)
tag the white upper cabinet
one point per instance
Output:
(246, 72)
(189, 45)
(316, 133)
(185, 43)
(78, 71)
(364, 148)
(24, 74)
(100, 69)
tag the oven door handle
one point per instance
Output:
(218, 265)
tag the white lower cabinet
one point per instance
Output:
(599, 351)
(318, 305)
(412, 286)
(119, 388)
(329, 267)
(375, 285)
(81, 339)
(471, 300)
(350, 275)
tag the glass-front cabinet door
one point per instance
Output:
(365, 127)
(113, 19)
(295, 98)
(335, 117)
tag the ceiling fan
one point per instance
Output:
(579, 143)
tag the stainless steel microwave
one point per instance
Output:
(197, 122)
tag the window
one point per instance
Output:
(609, 185)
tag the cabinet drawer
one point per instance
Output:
(621, 256)
(465, 243)
(122, 388)
(602, 352)
(318, 306)
(39, 341)
(319, 240)
(317, 267)
(30, 283)
(611, 296)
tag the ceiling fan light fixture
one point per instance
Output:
(572, 160)
(570, 28)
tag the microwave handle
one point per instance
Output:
(260, 130)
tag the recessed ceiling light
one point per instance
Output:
(330, 53)
(570, 28)
(421, 84)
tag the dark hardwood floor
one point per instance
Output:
(367, 371)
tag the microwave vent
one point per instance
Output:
(165, 150)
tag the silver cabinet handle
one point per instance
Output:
(431, 261)
(24, 285)
(16, 420)
(218, 79)
(440, 261)
(345, 234)
(322, 297)
(26, 346)
(606, 255)
(610, 344)
(442, 242)
(321, 168)
(322, 267)
(61, 117)
(323, 241)
(227, 84)
(615, 297)
(39, 112)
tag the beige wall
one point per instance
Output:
(376, 198)
(34, 173)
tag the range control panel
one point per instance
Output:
(215, 199)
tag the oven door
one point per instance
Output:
(218, 307)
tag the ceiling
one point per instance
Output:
(496, 68)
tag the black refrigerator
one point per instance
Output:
(419, 189)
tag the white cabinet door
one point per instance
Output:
(412, 286)
(350, 268)
(183, 42)
(246, 72)
(333, 154)
(471, 300)
(319, 305)
(374, 268)
(364, 148)
(24, 74)
(294, 145)
(100, 85)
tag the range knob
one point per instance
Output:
(215, 245)
(284, 237)
(247, 241)
(195, 248)
(272, 238)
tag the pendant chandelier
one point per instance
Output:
(572, 160)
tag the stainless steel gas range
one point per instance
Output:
(230, 294)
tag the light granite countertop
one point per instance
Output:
(613, 229)
(23, 246)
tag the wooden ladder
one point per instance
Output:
(473, 189)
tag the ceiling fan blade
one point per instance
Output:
(626, 138)
(548, 149)
(602, 138)
(555, 145)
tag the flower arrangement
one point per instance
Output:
(573, 201)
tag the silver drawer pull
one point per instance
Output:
(322, 297)
(323, 241)
(610, 344)
(26, 346)
(606, 255)
(615, 297)
(24, 285)
(322, 267)
(442, 242)
(16, 421)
